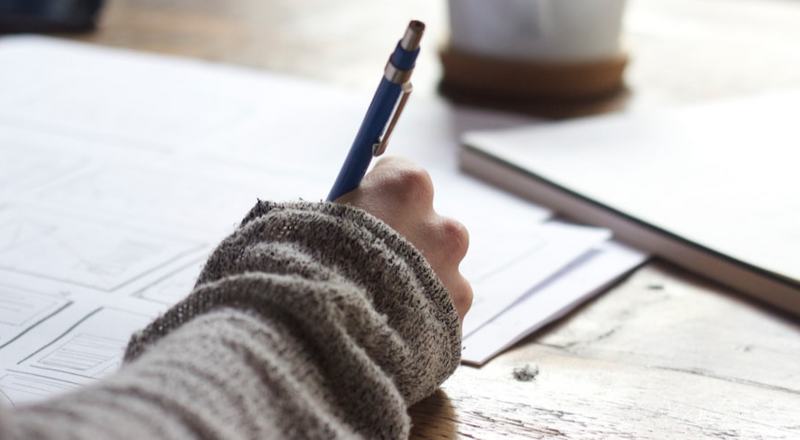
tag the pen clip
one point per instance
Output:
(379, 147)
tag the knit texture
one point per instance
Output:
(312, 320)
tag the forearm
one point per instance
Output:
(354, 274)
(310, 321)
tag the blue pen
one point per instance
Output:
(383, 112)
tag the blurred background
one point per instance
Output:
(680, 51)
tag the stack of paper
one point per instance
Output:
(119, 172)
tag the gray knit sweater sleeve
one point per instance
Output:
(310, 321)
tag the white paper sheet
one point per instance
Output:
(549, 301)
(500, 278)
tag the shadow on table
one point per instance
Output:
(434, 418)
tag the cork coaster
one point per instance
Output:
(553, 90)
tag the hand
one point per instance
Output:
(400, 193)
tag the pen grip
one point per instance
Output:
(369, 134)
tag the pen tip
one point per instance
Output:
(413, 35)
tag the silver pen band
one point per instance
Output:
(395, 75)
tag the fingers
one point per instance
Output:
(400, 193)
(444, 251)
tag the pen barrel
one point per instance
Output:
(369, 134)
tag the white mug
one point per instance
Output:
(537, 30)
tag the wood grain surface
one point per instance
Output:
(664, 354)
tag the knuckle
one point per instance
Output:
(413, 184)
(455, 236)
(462, 296)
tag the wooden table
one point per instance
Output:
(665, 354)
